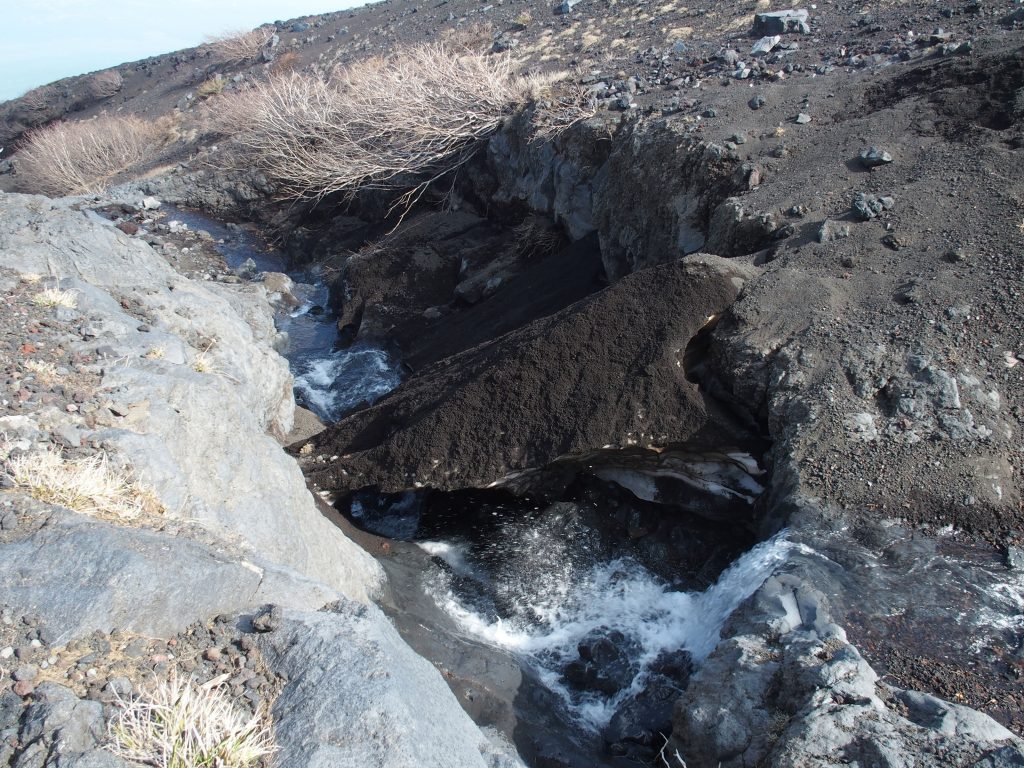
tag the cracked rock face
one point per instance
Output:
(787, 688)
(195, 418)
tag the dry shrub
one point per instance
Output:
(177, 724)
(78, 157)
(39, 98)
(215, 85)
(105, 84)
(561, 111)
(239, 46)
(473, 38)
(286, 62)
(372, 125)
(91, 486)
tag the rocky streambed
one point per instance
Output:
(573, 606)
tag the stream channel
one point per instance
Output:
(570, 624)
(567, 625)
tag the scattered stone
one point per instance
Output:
(802, 119)
(26, 672)
(214, 654)
(867, 207)
(268, 619)
(765, 45)
(1016, 17)
(956, 255)
(247, 270)
(757, 102)
(151, 203)
(23, 688)
(873, 157)
(832, 230)
(1015, 558)
(781, 22)
(566, 6)
(892, 242)
(119, 686)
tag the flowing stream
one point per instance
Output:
(329, 380)
(604, 629)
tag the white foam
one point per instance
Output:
(331, 385)
(452, 553)
(619, 595)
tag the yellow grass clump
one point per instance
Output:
(91, 486)
(178, 724)
(239, 46)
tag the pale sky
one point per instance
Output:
(45, 40)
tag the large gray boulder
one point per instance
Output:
(58, 729)
(359, 696)
(787, 689)
(194, 423)
(79, 575)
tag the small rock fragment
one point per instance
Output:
(1015, 557)
(832, 230)
(765, 45)
(873, 157)
(802, 119)
(781, 22)
(268, 619)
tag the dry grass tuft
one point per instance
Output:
(524, 19)
(212, 87)
(90, 486)
(476, 38)
(54, 297)
(537, 238)
(376, 124)
(288, 61)
(105, 84)
(560, 112)
(44, 370)
(239, 46)
(177, 724)
(38, 98)
(79, 157)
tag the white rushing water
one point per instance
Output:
(331, 385)
(547, 611)
(328, 383)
